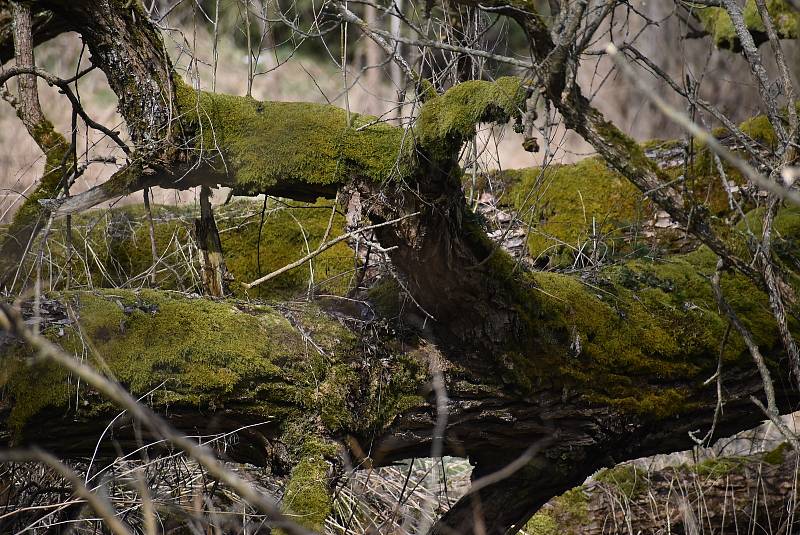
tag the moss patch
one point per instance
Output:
(717, 23)
(447, 121)
(760, 129)
(567, 205)
(308, 497)
(566, 514)
(216, 354)
(264, 143)
(116, 247)
(719, 466)
(628, 479)
(640, 336)
(777, 455)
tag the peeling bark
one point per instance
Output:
(214, 273)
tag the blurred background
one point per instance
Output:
(296, 51)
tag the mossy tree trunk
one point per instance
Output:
(231, 365)
(31, 216)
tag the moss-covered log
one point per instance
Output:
(724, 494)
(623, 354)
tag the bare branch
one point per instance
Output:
(322, 248)
(703, 136)
(757, 67)
(63, 85)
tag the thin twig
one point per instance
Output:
(322, 248)
(702, 136)
(99, 503)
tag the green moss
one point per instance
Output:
(777, 455)
(760, 129)
(447, 121)
(385, 297)
(641, 336)
(566, 515)
(627, 479)
(719, 466)
(542, 524)
(116, 243)
(216, 354)
(588, 211)
(633, 151)
(308, 497)
(287, 235)
(51, 387)
(567, 205)
(717, 23)
(267, 143)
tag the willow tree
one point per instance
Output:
(560, 374)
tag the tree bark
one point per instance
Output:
(726, 494)
(31, 216)
(214, 273)
(229, 365)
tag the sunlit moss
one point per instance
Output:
(760, 129)
(266, 143)
(568, 206)
(116, 246)
(448, 120)
(719, 466)
(637, 335)
(215, 354)
(308, 497)
(628, 479)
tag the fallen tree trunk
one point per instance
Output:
(586, 370)
(306, 372)
(739, 494)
